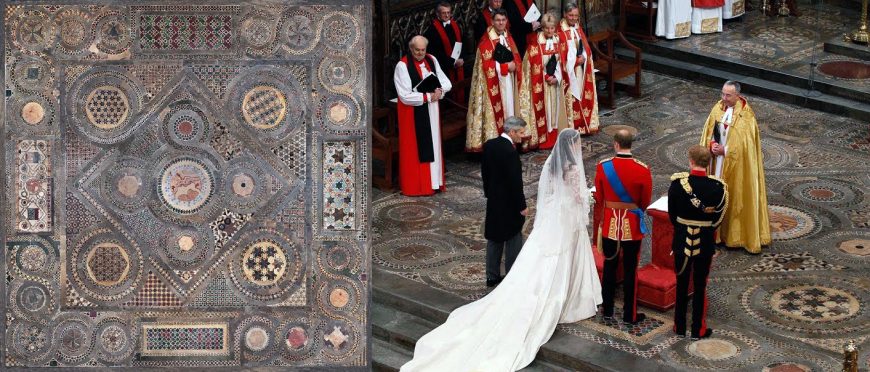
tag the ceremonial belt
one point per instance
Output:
(616, 185)
(694, 223)
(619, 205)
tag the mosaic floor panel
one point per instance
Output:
(793, 306)
(189, 185)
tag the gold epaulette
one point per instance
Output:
(641, 163)
(603, 160)
(679, 175)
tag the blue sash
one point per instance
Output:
(616, 185)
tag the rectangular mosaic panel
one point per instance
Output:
(33, 183)
(165, 31)
(185, 340)
(166, 189)
(340, 185)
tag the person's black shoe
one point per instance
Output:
(706, 334)
(493, 282)
(639, 318)
(606, 315)
(679, 332)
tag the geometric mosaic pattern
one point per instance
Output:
(179, 195)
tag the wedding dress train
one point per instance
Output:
(553, 280)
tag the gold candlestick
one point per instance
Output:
(861, 35)
(850, 351)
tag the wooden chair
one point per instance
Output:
(638, 9)
(453, 114)
(612, 67)
(385, 144)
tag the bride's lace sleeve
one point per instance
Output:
(579, 194)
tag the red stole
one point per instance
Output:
(486, 48)
(583, 106)
(455, 74)
(707, 3)
(535, 53)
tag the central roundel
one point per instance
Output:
(186, 185)
(264, 263)
(264, 107)
(107, 107)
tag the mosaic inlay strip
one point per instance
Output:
(33, 181)
(193, 339)
(339, 186)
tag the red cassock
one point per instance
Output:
(421, 163)
(617, 224)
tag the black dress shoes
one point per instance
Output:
(493, 282)
(706, 334)
(640, 317)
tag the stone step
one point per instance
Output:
(395, 299)
(756, 86)
(395, 334)
(748, 70)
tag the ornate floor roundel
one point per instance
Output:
(188, 185)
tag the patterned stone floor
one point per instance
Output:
(782, 44)
(795, 305)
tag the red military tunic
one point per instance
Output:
(619, 224)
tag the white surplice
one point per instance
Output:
(723, 135)
(674, 19)
(506, 83)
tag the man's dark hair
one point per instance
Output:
(624, 138)
(444, 4)
(499, 11)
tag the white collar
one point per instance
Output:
(505, 135)
(445, 24)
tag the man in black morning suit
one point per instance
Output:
(506, 209)
(696, 204)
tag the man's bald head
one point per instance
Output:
(418, 45)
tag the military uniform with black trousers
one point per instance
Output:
(696, 205)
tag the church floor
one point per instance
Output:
(794, 305)
(785, 45)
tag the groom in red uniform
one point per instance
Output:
(623, 187)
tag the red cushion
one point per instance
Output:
(656, 277)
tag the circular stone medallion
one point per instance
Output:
(185, 185)
(296, 338)
(264, 107)
(264, 263)
(32, 258)
(339, 297)
(340, 30)
(33, 30)
(299, 31)
(243, 185)
(788, 223)
(256, 338)
(129, 185)
(713, 349)
(74, 338)
(113, 34)
(32, 298)
(857, 247)
(32, 113)
(469, 273)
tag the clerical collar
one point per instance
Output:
(623, 155)
(446, 23)
(505, 135)
(700, 173)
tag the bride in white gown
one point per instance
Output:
(553, 281)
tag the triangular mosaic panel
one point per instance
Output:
(186, 185)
